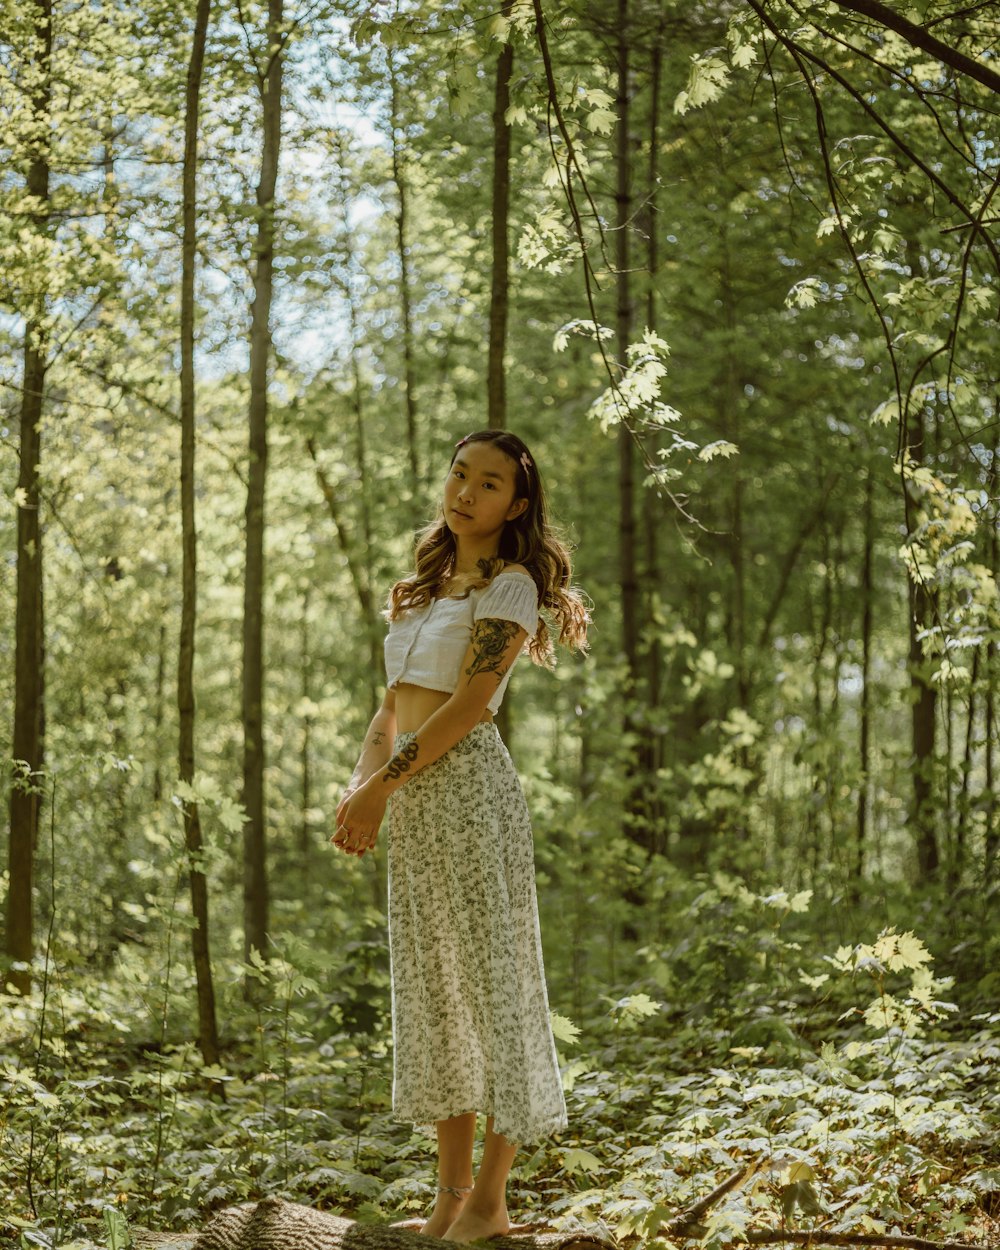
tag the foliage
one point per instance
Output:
(738, 968)
(714, 1057)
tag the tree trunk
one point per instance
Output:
(27, 744)
(864, 782)
(367, 600)
(409, 383)
(991, 839)
(623, 331)
(736, 618)
(158, 694)
(255, 890)
(361, 566)
(652, 750)
(496, 381)
(496, 378)
(924, 699)
(305, 689)
(636, 817)
(961, 824)
(208, 1035)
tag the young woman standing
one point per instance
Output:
(470, 1009)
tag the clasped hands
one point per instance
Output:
(359, 817)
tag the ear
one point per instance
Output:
(516, 508)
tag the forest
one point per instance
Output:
(732, 271)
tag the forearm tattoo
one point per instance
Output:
(490, 638)
(401, 761)
(378, 737)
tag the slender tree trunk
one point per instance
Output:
(924, 702)
(822, 720)
(496, 380)
(636, 818)
(255, 888)
(652, 754)
(402, 234)
(623, 328)
(305, 655)
(158, 698)
(864, 782)
(361, 566)
(28, 743)
(366, 600)
(208, 1035)
(736, 620)
(991, 845)
(992, 835)
(961, 824)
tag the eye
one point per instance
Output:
(490, 485)
(458, 472)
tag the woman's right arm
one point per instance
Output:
(376, 751)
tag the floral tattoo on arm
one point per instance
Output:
(490, 638)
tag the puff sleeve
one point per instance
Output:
(510, 597)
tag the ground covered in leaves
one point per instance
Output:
(867, 1096)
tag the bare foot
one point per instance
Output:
(473, 1224)
(446, 1210)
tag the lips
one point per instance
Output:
(464, 515)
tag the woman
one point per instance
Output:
(470, 1010)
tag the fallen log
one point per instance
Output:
(274, 1224)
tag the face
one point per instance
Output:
(479, 491)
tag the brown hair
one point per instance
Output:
(529, 539)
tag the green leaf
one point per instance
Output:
(577, 1160)
(635, 1006)
(564, 1029)
(719, 448)
(118, 1235)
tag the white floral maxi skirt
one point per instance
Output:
(470, 1012)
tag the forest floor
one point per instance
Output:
(866, 1104)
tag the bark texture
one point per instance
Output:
(405, 282)
(496, 379)
(273, 1224)
(208, 1035)
(27, 744)
(255, 890)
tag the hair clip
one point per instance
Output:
(461, 441)
(525, 460)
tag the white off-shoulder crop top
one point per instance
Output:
(425, 646)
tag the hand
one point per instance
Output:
(359, 817)
(351, 787)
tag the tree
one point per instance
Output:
(496, 378)
(268, 72)
(28, 747)
(208, 1038)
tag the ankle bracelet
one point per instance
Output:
(457, 1190)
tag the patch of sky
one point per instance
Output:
(850, 679)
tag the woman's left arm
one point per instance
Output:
(493, 648)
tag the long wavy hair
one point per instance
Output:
(529, 539)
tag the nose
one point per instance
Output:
(465, 491)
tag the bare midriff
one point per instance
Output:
(414, 704)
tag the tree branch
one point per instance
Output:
(816, 1237)
(918, 37)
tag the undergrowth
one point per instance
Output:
(866, 1101)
